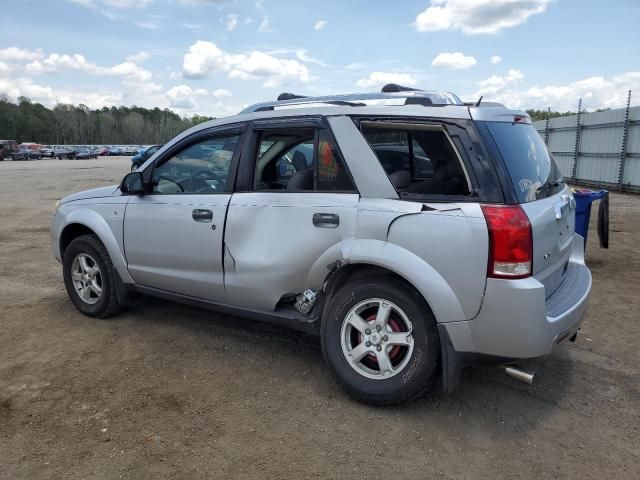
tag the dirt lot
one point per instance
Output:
(168, 391)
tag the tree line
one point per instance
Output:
(66, 124)
(26, 121)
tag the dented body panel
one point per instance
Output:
(272, 247)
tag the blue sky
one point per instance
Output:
(214, 56)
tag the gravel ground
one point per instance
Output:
(168, 391)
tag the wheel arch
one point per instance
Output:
(374, 257)
(85, 221)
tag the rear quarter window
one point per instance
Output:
(419, 159)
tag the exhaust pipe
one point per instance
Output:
(519, 374)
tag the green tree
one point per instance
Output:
(26, 121)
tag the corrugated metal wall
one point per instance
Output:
(590, 149)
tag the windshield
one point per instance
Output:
(533, 172)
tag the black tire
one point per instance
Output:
(107, 304)
(417, 376)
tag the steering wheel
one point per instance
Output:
(200, 176)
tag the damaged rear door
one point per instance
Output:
(292, 216)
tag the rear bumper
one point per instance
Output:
(517, 322)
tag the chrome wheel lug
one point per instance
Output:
(378, 348)
(385, 338)
(368, 331)
(378, 327)
(368, 344)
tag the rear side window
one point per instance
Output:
(533, 172)
(418, 160)
(300, 159)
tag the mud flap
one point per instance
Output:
(603, 221)
(451, 365)
(123, 291)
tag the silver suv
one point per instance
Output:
(413, 232)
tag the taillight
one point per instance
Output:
(510, 241)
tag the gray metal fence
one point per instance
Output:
(600, 149)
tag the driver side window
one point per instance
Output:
(202, 167)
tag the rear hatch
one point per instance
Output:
(538, 187)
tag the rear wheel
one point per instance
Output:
(380, 341)
(89, 277)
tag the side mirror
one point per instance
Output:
(132, 184)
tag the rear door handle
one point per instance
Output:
(326, 220)
(200, 215)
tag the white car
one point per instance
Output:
(414, 235)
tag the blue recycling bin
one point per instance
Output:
(584, 199)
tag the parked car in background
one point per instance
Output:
(9, 149)
(65, 152)
(102, 151)
(413, 239)
(31, 154)
(47, 151)
(143, 155)
(115, 151)
(85, 153)
(129, 150)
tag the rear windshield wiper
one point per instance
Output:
(555, 184)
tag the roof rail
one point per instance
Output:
(289, 96)
(419, 97)
(394, 87)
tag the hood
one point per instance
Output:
(99, 192)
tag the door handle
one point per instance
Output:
(200, 215)
(326, 220)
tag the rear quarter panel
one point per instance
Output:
(443, 252)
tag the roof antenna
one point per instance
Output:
(479, 100)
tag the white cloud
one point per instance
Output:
(596, 92)
(356, 66)
(137, 82)
(184, 97)
(453, 61)
(477, 16)
(496, 83)
(304, 56)
(84, 3)
(201, 2)
(191, 26)
(49, 96)
(118, 4)
(232, 22)
(320, 24)
(124, 4)
(203, 58)
(15, 54)
(56, 62)
(495, 60)
(147, 25)
(381, 78)
(222, 92)
(139, 57)
(265, 26)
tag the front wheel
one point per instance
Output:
(380, 340)
(89, 277)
